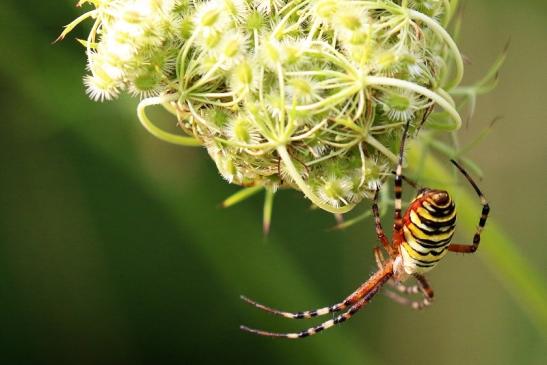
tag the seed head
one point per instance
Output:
(310, 95)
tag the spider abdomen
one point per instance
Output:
(428, 227)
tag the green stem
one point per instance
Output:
(452, 9)
(181, 57)
(333, 100)
(307, 134)
(441, 101)
(281, 82)
(75, 22)
(259, 146)
(351, 222)
(447, 12)
(198, 118)
(277, 31)
(320, 73)
(157, 132)
(380, 147)
(446, 95)
(334, 56)
(206, 78)
(386, 126)
(295, 175)
(241, 195)
(441, 32)
(170, 108)
(267, 211)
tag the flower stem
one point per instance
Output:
(295, 175)
(267, 211)
(380, 147)
(157, 132)
(441, 32)
(441, 101)
(241, 195)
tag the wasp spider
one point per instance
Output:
(421, 238)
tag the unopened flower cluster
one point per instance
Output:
(308, 94)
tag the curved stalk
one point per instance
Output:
(158, 132)
(197, 117)
(170, 108)
(260, 146)
(310, 132)
(241, 195)
(281, 82)
(267, 210)
(380, 147)
(437, 28)
(447, 12)
(75, 22)
(446, 95)
(438, 99)
(333, 99)
(295, 175)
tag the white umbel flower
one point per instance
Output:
(304, 94)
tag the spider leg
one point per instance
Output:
(379, 257)
(303, 314)
(409, 181)
(423, 287)
(401, 288)
(426, 115)
(404, 289)
(464, 248)
(379, 230)
(374, 284)
(346, 303)
(398, 224)
(414, 304)
(314, 330)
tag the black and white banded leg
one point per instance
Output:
(361, 296)
(423, 287)
(379, 257)
(303, 314)
(316, 329)
(332, 322)
(400, 287)
(398, 219)
(350, 300)
(378, 222)
(465, 248)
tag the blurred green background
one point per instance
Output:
(113, 248)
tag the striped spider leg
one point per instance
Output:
(423, 234)
(465, 248)
(420, 239)
(423, 287)
(354, 302)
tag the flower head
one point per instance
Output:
(310, 95)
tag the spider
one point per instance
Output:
(421, 238)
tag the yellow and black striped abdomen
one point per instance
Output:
(429, 225)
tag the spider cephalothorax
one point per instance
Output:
(421, 238)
